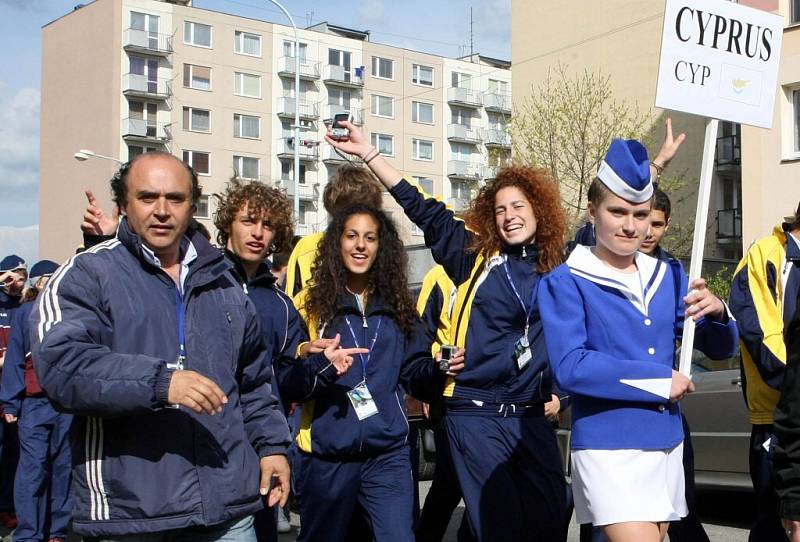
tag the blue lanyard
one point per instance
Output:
(364, 362)
(181, 312)
(527, 310)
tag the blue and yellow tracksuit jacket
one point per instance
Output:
(329, 426)
(487, 319)
(763, 300)
(298, 269)
(434, 305)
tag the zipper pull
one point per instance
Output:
(364, 321)
(524, 253)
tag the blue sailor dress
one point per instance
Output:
(611, 340)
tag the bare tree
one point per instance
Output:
(566, 125)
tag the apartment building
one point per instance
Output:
(622, 38)
(122, 77)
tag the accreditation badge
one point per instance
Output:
(522, 352)
(362, 401)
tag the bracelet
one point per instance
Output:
(371, 158)
(659, 168)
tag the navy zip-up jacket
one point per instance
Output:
(487, 319)
(281, 324)
(14, 383)
(104, 331)
(329, 426)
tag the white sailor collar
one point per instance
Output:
(583, 263)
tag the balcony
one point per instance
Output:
(729, 225)
(149, 43)
(139, 86)
(332, 110)
(304, 229)
(306, 191)
(494, 137)
(309, 149)
(336, 75)
(463, 97)
(308, 110)
(500, 103)
(461, 169)
(309, 71)
(329, 156)
(145, 131)
(729, 152)
(459, 205)
(489, 172)
(459, 133)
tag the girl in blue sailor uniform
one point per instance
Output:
(367, 347)
(612, 315)
(503, 447)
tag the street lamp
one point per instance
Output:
(296, 111)
(84, 154)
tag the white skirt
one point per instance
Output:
(615, 486)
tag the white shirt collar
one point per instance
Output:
(189, 256)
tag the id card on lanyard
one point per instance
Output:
(360, 396)
(522, 348)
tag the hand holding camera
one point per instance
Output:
(450, 359)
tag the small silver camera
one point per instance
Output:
(447, 351)
(338, 131)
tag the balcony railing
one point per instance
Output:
(308, 110)
(305, 190)
(308, 70)
(463, 97)
(331, 111)
(147, 42)
(339, 76)
(729, 152)
(142, 129)
(461, 169)
(495, 137)
(330, 156)
(489, 172)
(494, 101)
(134, 84)
(729, 224)
(462, 134)
(309, 149)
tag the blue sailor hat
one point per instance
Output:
(42, 269)
(626, 171)
(12, 263)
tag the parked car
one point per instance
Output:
(718, 419)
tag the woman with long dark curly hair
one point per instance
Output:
(353, 430)
(504, 449)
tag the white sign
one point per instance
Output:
(720, 60)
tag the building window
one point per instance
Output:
(498, 87)
(795, 11)
(384, 143)
(382, 106)
(246, 43)
(422, 75)
(796, 101)
(136, 150)
(196, 34)
(202, 208)
(343, 59)
(246, 167)
(461, 116)
(426, 184)
(382, 68)
(422, 112)
(288, 50)
(422, 149)
(196, 120)
(496, 121)
(339, 97)
(144, 21)
(287, 172)
(460, 151)
(247, 84)
(197, 77)
(301, 219)
(200, 161)
(460, 190)
(246, 126)
(461, 80)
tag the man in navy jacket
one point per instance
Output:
(152, 343)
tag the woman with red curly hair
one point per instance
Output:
(504, 448)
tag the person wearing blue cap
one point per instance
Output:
(41, 489)
(611, 317)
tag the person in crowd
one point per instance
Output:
(254, 221)
(13, 275)
(41, 488)
(351, 184)
(151, 343)
(279, 261)
(611, 317)
(434, 305)
(354, 432)
(503, 447)
(763, 299)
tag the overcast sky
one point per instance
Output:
(436, 26)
